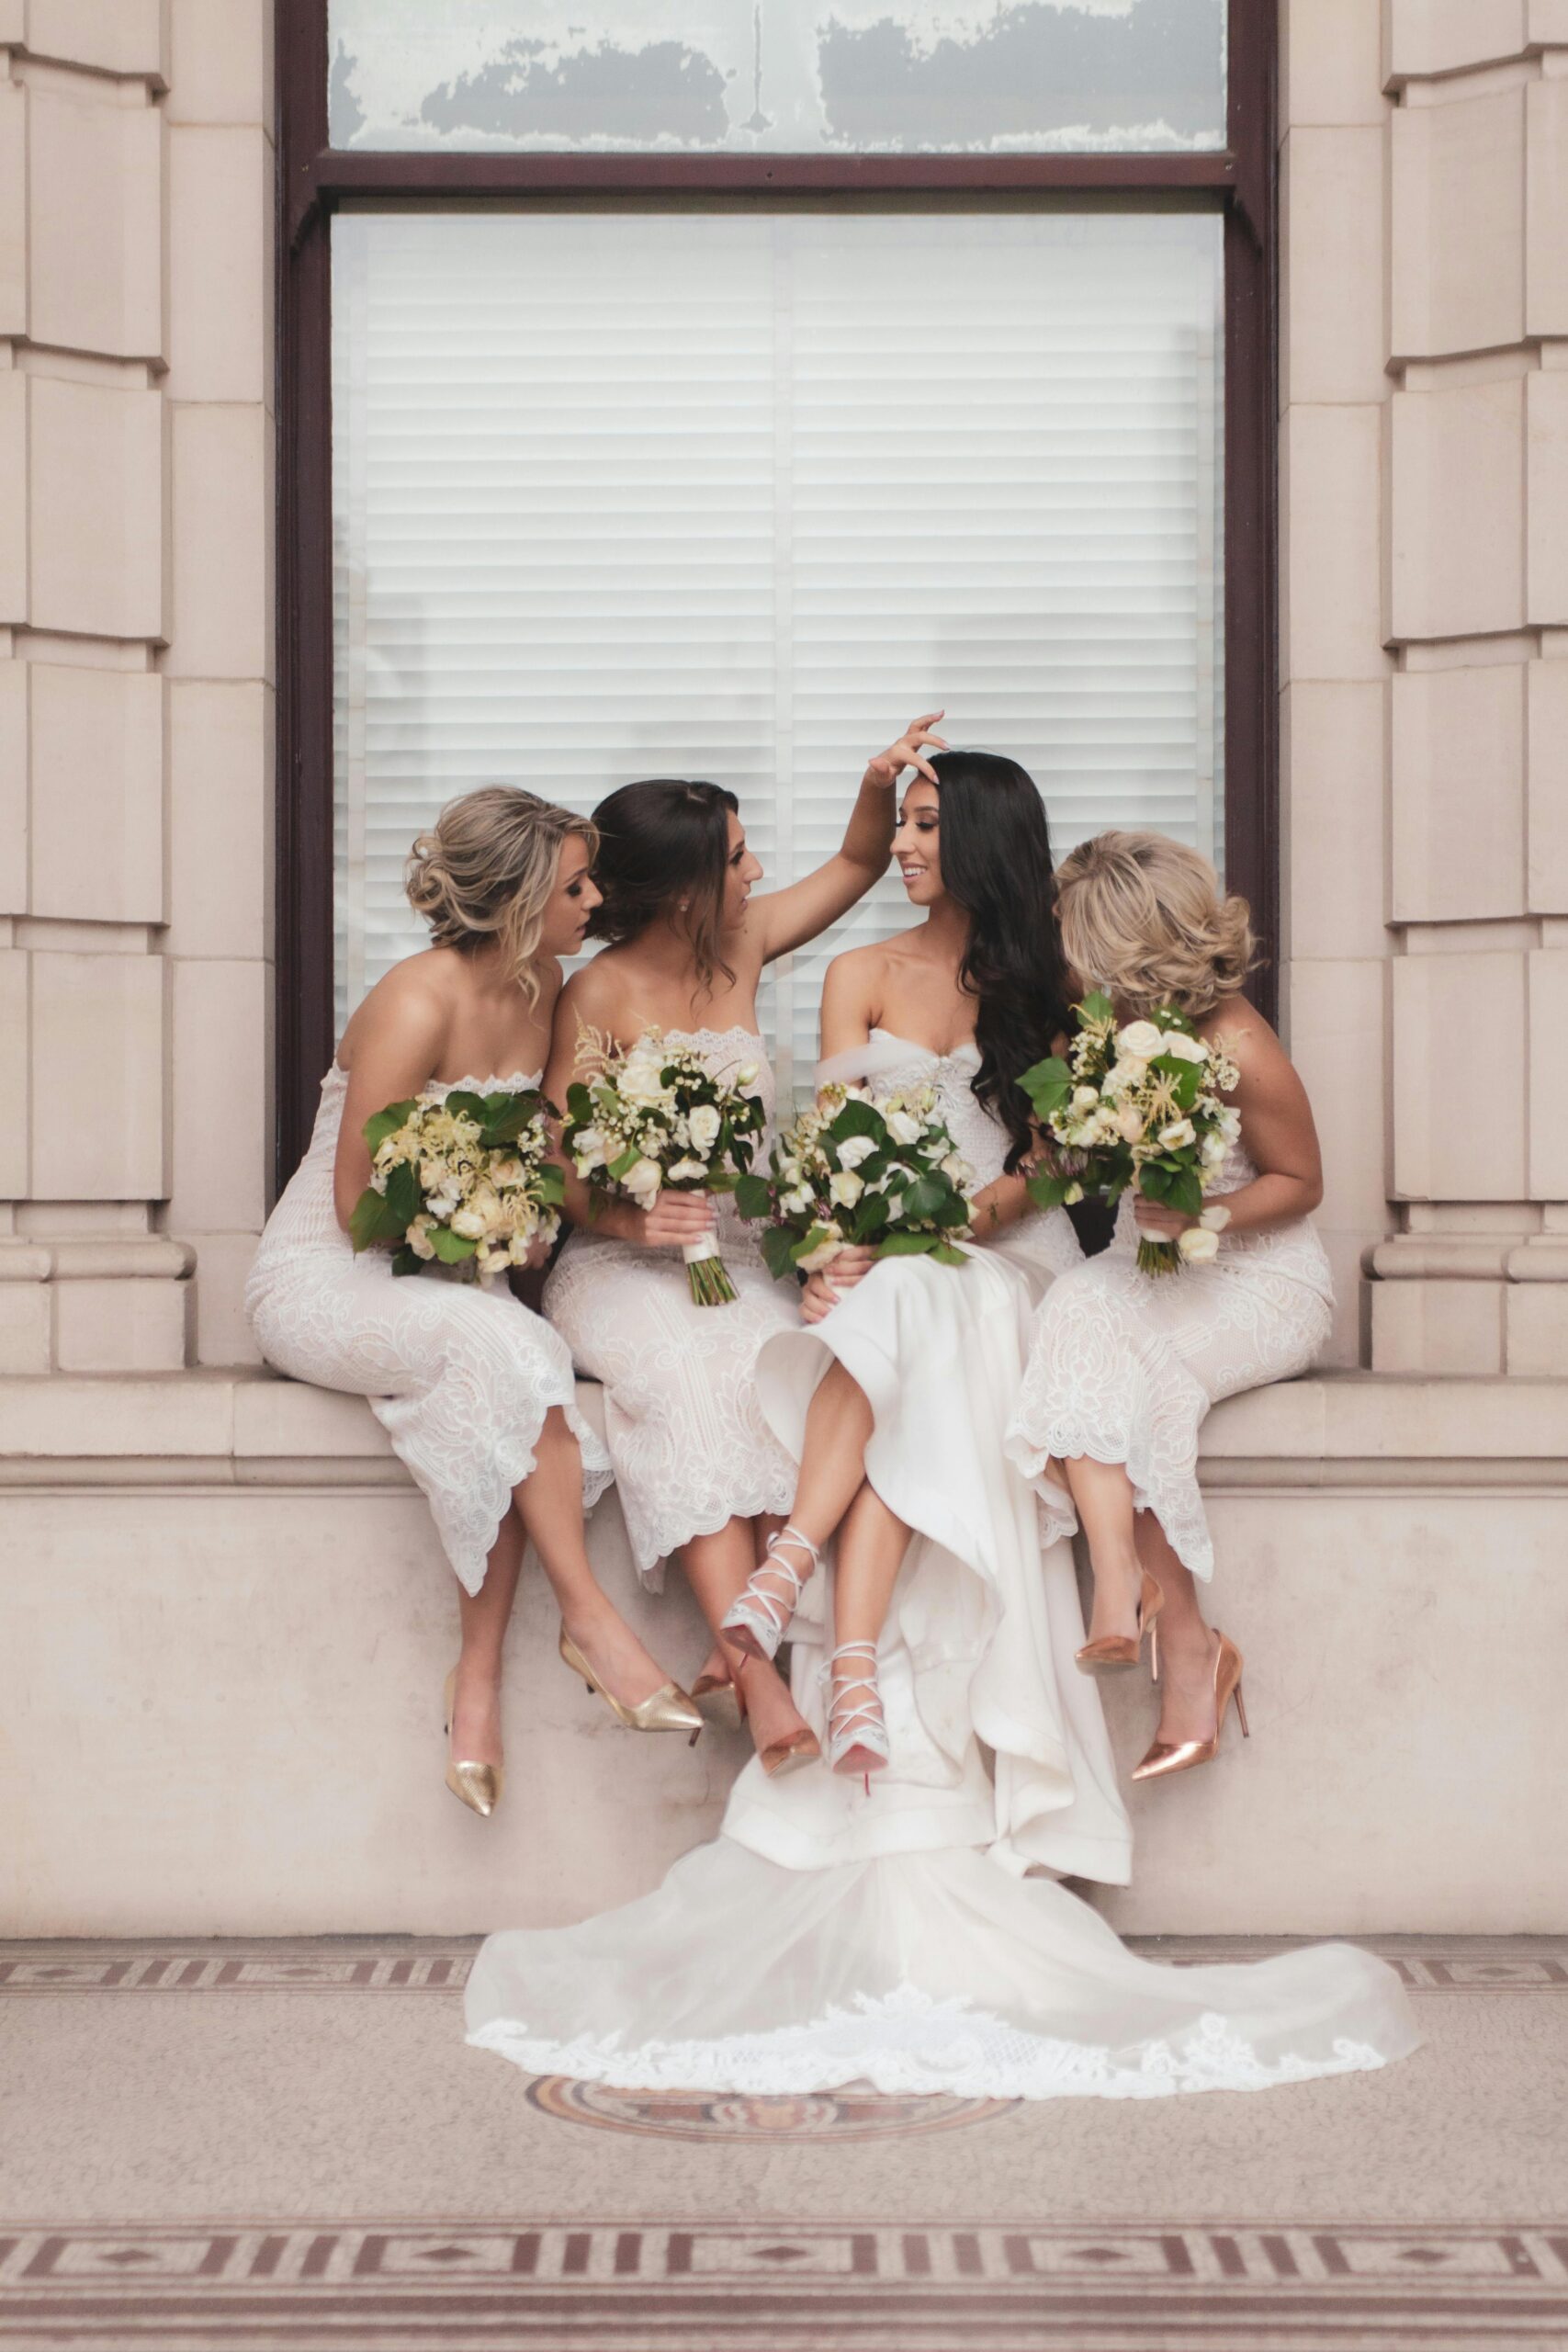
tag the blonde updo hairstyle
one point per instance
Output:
(1144, 918)
(486, 872)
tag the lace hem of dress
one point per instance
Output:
(910, 2042)
(1175, 1501)
(665, 1533)
(510, 1461)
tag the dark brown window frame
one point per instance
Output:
(314, 179)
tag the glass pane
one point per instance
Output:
(672, 494)
(780, 76)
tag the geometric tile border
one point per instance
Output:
(536, 2288)
(1427, 1963)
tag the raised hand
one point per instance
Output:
(888, 767)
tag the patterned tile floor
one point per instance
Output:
(286, 2145)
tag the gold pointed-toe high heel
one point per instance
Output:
(717, 1698)
(1167, 1756)
(669, 1709)
(479, 1786)
(1113, 1652)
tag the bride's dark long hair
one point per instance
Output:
(995, 862)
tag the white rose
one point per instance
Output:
(643, 1183)
(419, 1238)
(853, 1149)
(957, 1170)
(506, 1171)
(641, 1080)
(588, 1152)
(1125, 1074)
(1198, 1245)
(795, 1203)
(688, 1172)
(1085, 1098)
(1183, 1048)
(902, 1127)
(1215, 1218)
(1130, 1123)
(705, 1123)
(823, 1253)
(745, 1076)
(468, 1225)
(846, 1190)
(1140, 1038)
(1179, 1132)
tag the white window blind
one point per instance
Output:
(736, 495)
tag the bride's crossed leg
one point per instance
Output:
(834, 1495)
(546, 1510)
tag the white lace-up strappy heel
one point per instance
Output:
(857, 1734)
(760, 1616)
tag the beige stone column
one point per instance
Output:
(135, 674)
(1476, 614)
(1334, 670)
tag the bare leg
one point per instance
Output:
(1187, 1647)
(1104, 1494)
(839, 1424)
(720, 1660)
(547, 1510)
(872, 1544)
(717, 1567)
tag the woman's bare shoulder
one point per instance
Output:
(417, 995)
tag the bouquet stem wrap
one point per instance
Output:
(706, 1272)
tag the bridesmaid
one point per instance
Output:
(475, 1392)
(697, 1471)
(1123, 1365)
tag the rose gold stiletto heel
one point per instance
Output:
(1113, 1652)
(1167, 1756)
(479, 1786)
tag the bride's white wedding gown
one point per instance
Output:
(829, 1935)
(460, 1378)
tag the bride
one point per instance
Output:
(831, 1935)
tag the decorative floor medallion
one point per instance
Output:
(691, 2115)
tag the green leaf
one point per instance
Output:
(1049, 1191)
(404, 1195)
(623, 1165)
(908, 1245)
(451, 1247)
(1047, 1085)
(870, 1215)
(778, 1249)
(1097, 1009)
(406, 1261)
(954, 1211)
(926, 1195)
(372, 1221)
(465, 1104)
(579, 1104)
(550, 1184)
(857, 1119)
(509, 1116)
(386, 1122)
(1185, 1193)
(945, 1256)
(752, 1197)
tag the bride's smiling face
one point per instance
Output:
(571, 902)
(917, 845)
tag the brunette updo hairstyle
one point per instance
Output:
(486, 871)
(1144, 918)
(663, 851)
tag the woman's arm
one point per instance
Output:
(1277, 1133)
(588, 1001)
(850, 1006)
(395, 1040)
(786, 919)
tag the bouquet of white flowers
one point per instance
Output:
(653, 1117)
(461, 1180)
(1140, 1102)
(885, 1175)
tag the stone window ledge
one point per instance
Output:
(250, 1428)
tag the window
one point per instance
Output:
(621, 445)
